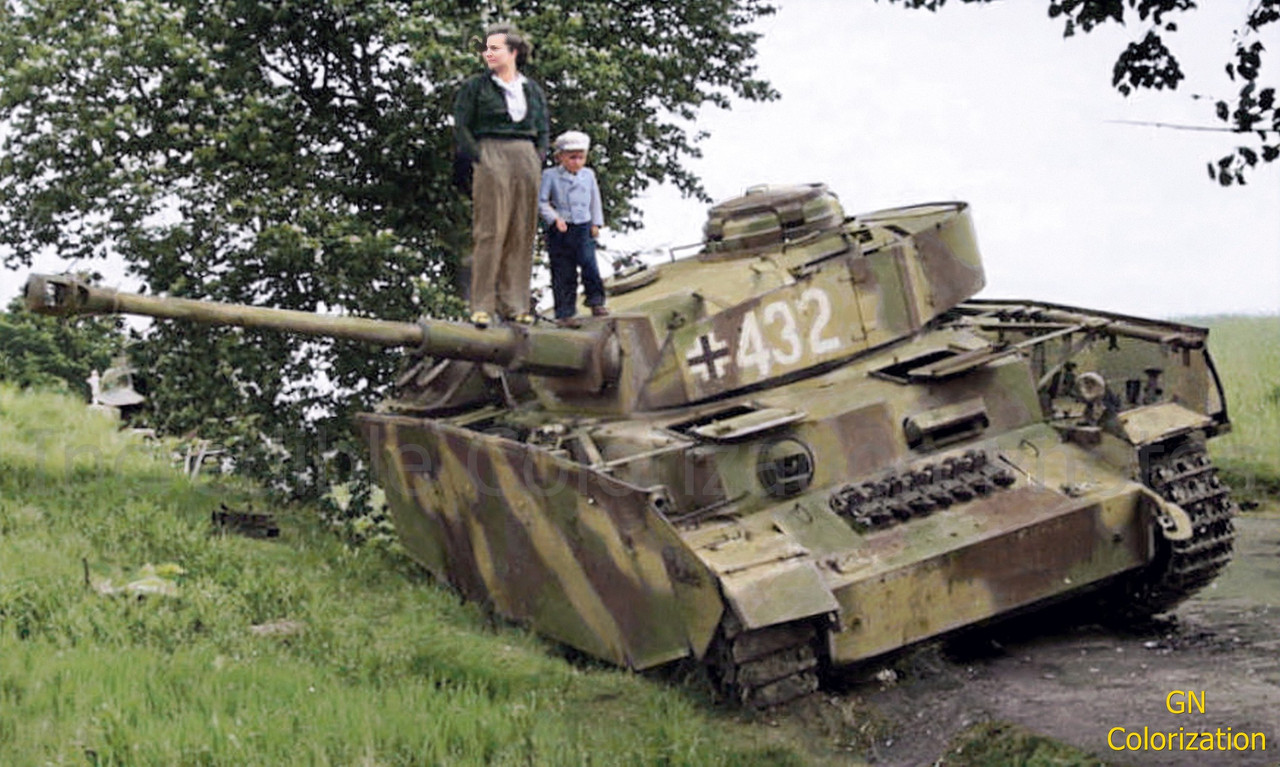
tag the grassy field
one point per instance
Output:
(1247, 353)
(294, 650)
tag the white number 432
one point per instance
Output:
(780, 318)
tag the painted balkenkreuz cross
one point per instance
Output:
(709, 358)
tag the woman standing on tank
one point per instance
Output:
(500, 118)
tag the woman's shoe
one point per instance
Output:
(481, 319)
(599, 311)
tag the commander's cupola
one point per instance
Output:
(767, 217)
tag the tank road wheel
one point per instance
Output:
(1180, 473)
(765, 667)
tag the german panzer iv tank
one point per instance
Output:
(801, 448)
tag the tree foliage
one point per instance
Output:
(1149, 63)
(51, 353)
(297, 153)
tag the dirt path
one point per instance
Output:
(1077, 684)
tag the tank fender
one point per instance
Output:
(1155, 423)
(778, 593)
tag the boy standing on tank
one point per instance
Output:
(569, 201)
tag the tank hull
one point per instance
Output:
(936, 499)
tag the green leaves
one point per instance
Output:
(52, 353)
(1146, 64)
(634, 76)
(297, 154)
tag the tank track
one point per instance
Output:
(765, 667)
(1184, 475)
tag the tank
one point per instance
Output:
(803, 447)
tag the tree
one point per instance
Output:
(47, 352)
(297, 153)
(1150, 63)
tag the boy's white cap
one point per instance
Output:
(573, 141)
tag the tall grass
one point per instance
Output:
(1247, 353)
(292, 651)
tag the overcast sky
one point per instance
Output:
(989, 104)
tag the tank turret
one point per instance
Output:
(804, 446)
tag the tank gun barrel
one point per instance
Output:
(534, 350)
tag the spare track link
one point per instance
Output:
(768, 666)
(1185, 476)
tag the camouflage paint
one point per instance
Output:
(575, 554)
(838, 302)
(806, 433)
